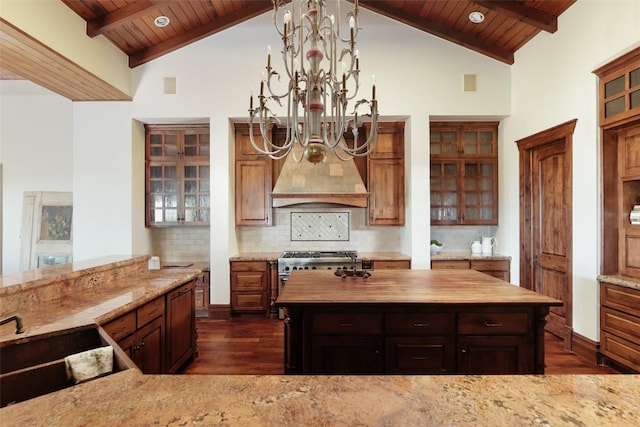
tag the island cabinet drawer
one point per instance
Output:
(121, 327)
(248, 281)
(489, 265)
(420, 355)
(455, 264)
(493, 323)
(150, 311)
(418, 324)
(346, 323)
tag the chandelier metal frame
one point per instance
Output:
(317, 96)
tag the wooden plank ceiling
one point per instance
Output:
(129, 24)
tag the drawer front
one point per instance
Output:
(458, 264)
(420, 355)
(420, 324)
(620, 350)
(122, 326)
(150, 311)
(248, 281)
(249, 266)
(248, 301)
(621, 324)
(621, 298)
(490, 265)
(492, 323)
(346, 323)
(391, 265)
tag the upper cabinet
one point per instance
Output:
(177, 175)
(620, 126)
(385, 176)
(253, 180)
(464, 173)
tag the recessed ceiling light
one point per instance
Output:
(162, 21)
(476, 17)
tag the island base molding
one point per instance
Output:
(219, 311)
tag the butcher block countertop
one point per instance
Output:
(406, 286)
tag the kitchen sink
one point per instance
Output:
(35, 366)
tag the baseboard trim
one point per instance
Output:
(586, 348)
(219, 311)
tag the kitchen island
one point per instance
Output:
(412, 322)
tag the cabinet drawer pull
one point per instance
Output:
(492, 324)
(184, 291)
(420, 358)
(420, 325)
(347, 325)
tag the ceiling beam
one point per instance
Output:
(104, 23)
(516, 10)
(25, 56)
(439, 30)
(254, 9)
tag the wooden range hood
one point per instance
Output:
(334, 181)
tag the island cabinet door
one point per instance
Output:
(499, 355)
(346, 355)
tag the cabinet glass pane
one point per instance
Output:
(635, 99)
(634, 78)
(171, 215)
(614, 86)
(155, 171)
(156, 186)
(190, 201)
(171, 201)
(614, 107)
(190, 172)
(171, 186)
(190, 186)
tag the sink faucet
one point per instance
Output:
(18, 319)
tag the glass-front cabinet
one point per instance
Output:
(464, 173)
(177, 184)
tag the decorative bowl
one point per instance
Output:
(435, 248)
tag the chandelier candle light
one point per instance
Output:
(317, 95)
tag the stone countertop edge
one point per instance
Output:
(96, 306)
(624, 281)
(366, 256)
(464, 256)
(131, 398)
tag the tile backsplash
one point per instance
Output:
(281, 236)
(181, 244)
(458, 238)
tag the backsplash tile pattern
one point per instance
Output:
(319, 226)
(458, 238)
(278, 237)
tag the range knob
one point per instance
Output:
(314, 268)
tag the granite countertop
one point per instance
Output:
(98, 304)
(465, 255)
(625, 281)
(130, 398)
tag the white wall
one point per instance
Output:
(103, 179)
(552, 82)
(36, 133)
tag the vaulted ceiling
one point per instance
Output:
(129, 24)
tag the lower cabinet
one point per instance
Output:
(620, 325)
(181, 340)
(378, 341)
(249, 287)
(496, 268)
(390, 264)
(160, 335)
(202, 294)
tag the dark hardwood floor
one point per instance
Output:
(254, 345)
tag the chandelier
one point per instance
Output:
(317, 92)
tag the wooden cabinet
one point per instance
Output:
(619, 88)
(177, 175)
(249, 287)
(390, 264)
(253, 182)
(388, 339)
(620, 325)
(494, 342)
(181, 339)
(464, 173)
(141, 335)
(385, 177)
(160, 335)
(496, 268)
(202, 294)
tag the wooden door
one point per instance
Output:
(546, 226)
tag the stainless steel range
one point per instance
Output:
(290, 261)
